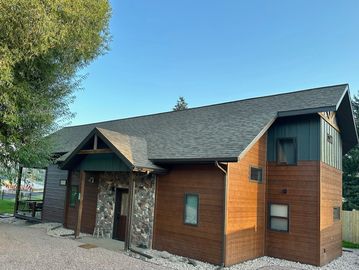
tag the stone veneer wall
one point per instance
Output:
(144, 203)
(143, 211)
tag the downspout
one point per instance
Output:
(224, 236)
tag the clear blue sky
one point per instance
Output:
(215, 51)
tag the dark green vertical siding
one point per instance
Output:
(102, 162)
(306, 130)
(331, 153)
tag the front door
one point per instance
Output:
(121, 210)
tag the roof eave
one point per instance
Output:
(145, 169)
(171, 161)
(306, 111)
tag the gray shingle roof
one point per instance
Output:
(130, 149)
(133, 148)
(215, 132)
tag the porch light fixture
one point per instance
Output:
(91, 180)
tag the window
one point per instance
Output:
(336, 213)
(63, 182)
(74, 193)
(278, 217)
(329, 138)
(256, 174)
(191, 209)
(287, 151)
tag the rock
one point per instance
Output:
(193, 262)
(142, 224)
(164, 255)
(173, 259)
(183, 259)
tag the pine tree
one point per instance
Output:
(181, 104)
(351, 168)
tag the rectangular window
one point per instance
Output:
(256, 174)
(191, 209)
(336, 213)
(279, 217)
(63, 182)
(287, 151)
(329, 138)
(74, 193)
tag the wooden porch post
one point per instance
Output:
(18, 186)
(79, 213)
(130, 211)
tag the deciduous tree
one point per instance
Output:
(43, 45)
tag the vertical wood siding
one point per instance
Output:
(54, 195)
(71, 212)
(89, 205)
(305, 129)
(246, 207)
(330, 229)
(331, 153)
(204, 241)
(301, 182)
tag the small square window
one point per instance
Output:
(336, 213)
(287, 151)
(279, 217)
(191, 209)
(329, 138)
(74, 193)
(256, 174)
(63, 182)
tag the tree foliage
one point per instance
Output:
(180, 105)
(43, 45)
(351, 169)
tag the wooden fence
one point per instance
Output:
(350, 222)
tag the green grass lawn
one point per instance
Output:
(37, 197)
(350, 245)
(7, 206)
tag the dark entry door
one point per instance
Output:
(121, 210)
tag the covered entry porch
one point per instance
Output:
(110, 195)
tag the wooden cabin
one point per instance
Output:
(223, 183)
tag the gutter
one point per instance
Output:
(224, 236)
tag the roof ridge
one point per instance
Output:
(117, 132)
(210, 105)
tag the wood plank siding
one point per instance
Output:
(330, 145)
(330, 229)
(246, 207)
(89, 205)
(54, 195)
(297, 186)
(204, 241)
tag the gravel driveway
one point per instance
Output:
(23, 247)
(29, 247)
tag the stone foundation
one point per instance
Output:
(143, 211)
